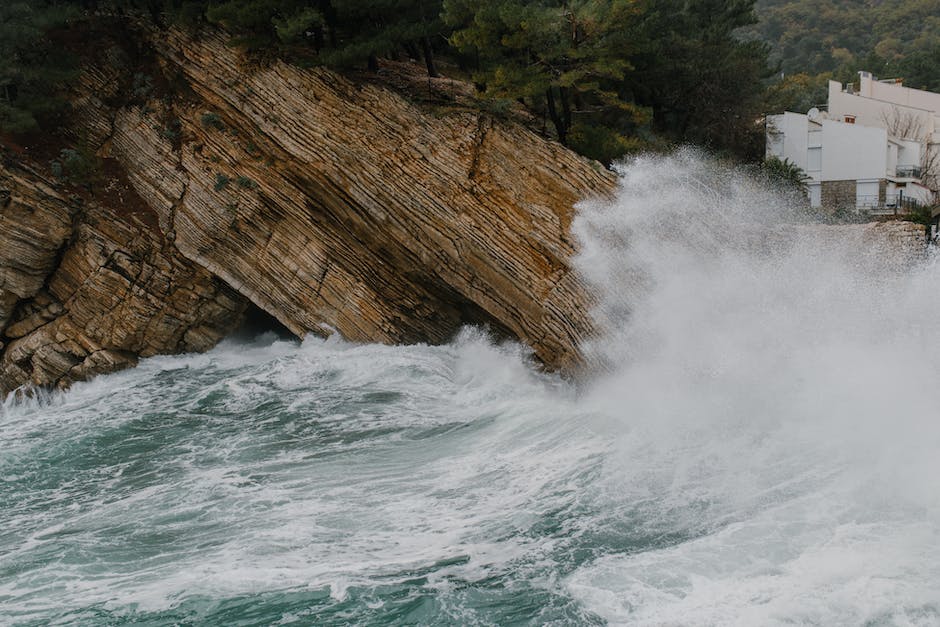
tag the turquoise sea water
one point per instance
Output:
(762, 447)
(323, 483)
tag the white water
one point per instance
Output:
(764, 448)
(780, 399)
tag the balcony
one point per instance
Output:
(907, 172)
(892, 204)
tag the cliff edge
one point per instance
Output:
(333, 205)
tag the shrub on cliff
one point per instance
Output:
(78, 166)
(342, 33)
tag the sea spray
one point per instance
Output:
(761, 448)
(773, 403)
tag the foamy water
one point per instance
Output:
(762, 447)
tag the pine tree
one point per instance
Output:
(32, 70)
(264, 24)
(369, 30)
(565, 59)
(703, 83)
(342, 33)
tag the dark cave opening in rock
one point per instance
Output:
(257, 322)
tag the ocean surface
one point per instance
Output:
(758, 444)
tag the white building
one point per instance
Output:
(877, 147)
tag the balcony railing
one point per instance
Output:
(892, 204)
(908, 171)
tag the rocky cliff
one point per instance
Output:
(87, 291)
(333, 205)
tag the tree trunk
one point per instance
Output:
(553, 114)
(565, 106)
(329, 16)
(373, 62)
(429, 57)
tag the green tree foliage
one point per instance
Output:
(702, 82)
(32, 69)
(797, 92)
(341, 33)
(606, 72)
(609, 77)
(261, 24)
(888, 37)
(785, 174)
(567, 59)
(381, 27)
(921, 69)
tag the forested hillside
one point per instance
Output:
(888, 37)
(607, 76)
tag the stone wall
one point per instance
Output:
(843, 194)
(838, 194)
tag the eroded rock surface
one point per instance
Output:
(93, 291)
(333, 205)
(340, 205)
(35, 221)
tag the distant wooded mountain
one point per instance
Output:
(888, 37)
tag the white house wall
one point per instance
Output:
(892, 156)
(909, 153)
(871, 112)
(789, 131)
(853, 152)
(834, 152)
(898, 94)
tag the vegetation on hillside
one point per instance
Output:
(815, 40)
(608, 76)
(32, 69)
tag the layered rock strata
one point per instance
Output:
(359, 211)
(87, 291)
(330, 204)
(333, 205)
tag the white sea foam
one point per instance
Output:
(376, 463)
(763, 447)
(775, 397)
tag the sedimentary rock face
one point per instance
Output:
(334, 206)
